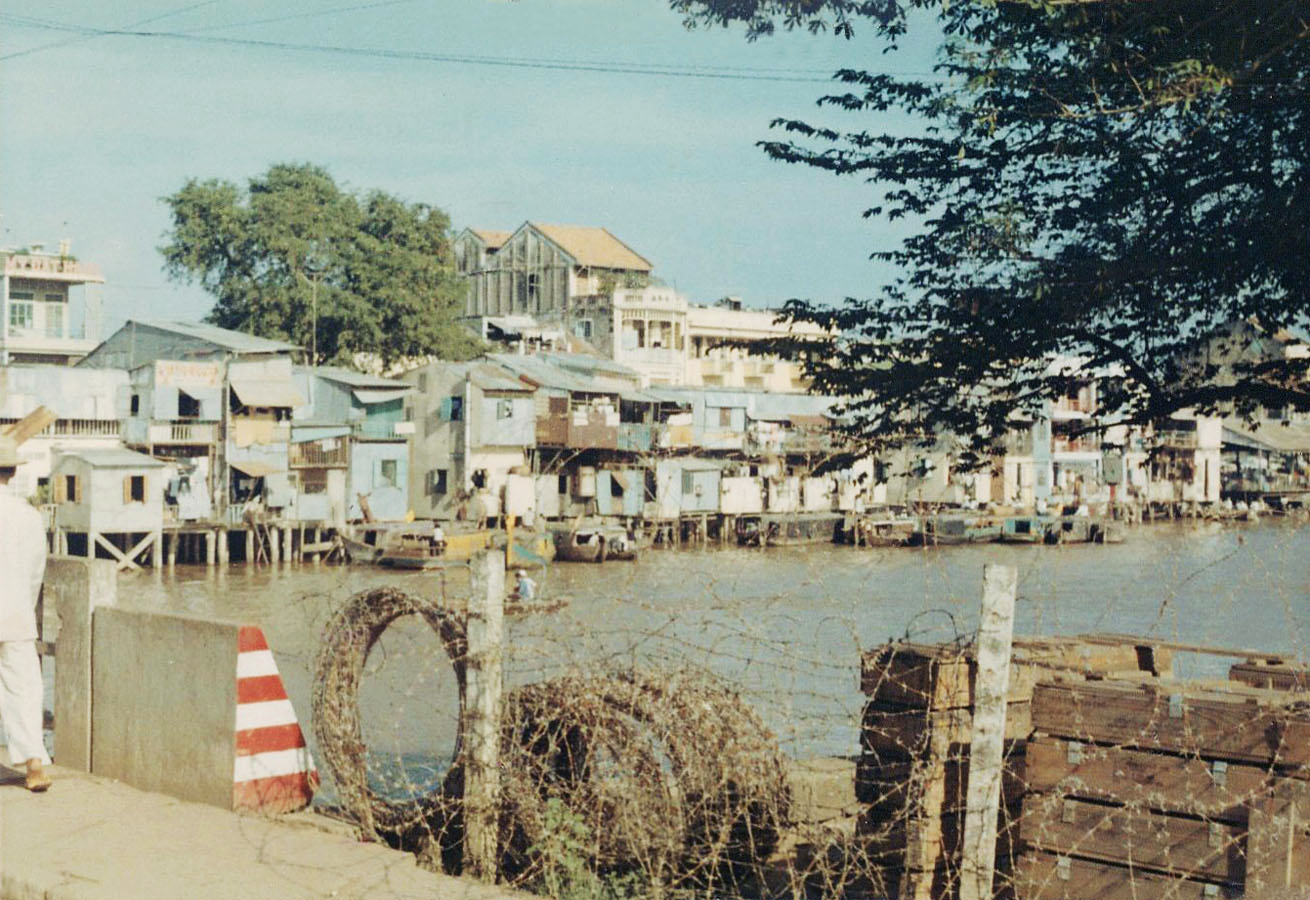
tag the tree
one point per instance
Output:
(1122, 183)
(346, 276)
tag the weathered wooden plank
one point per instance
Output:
(1278, 843)
(885, 841)
(1277, 675)
(895, 733)
(1176, 845)
(1046, 876)
(1238, 725)
(1140, 778)
(886, 787)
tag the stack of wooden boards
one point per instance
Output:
(912, 774)
(1168, 789)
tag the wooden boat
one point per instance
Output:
(1024, 529)
(789, 529)
(870, 532)
(594, 542)
(358, 551)
(948, 530)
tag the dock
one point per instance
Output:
(92, 837)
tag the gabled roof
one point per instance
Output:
(235, 341)
(592, 246)
(493, 239)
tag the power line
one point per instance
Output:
(607, 67)
(87, 36)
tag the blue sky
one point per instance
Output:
(94, 131)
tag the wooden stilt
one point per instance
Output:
(250, 545)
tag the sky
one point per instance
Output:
(96, 129)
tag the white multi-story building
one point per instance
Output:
(51, 306)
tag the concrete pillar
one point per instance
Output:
(486, 623)
(250, 546)
(288, 544)
(172, 549)
(209, 548)
(76, 588)
(157, 550)
(224, 549)
(274, 544)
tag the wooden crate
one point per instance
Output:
(1136, 837)
(1237, 724)
(885, 840)
(893, 733)
(1212, 789)
(1271, 673)
(887, 789)
(1049, 876)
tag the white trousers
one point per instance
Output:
(21, 696)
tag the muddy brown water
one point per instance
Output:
(784, 626)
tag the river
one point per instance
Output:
(784, 626)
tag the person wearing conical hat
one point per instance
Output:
(22, 559)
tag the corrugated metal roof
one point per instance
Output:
(592, 246)
(369, 396)
(235, 341)
(696, 464)
(492, 378)
(114, 458)
(256, 468)
(541, 371)
(356, 379)
(1268, 436)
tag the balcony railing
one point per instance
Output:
(183, 432)
(313, 455)
(77, 428)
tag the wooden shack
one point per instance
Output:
(109, 500)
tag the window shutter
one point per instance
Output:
(127, 489)
(59, 488)
(77, 488)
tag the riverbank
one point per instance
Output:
(92, 838)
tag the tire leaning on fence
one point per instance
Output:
(349, 636)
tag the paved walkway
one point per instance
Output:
(91, 838)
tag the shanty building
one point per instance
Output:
(110, 503)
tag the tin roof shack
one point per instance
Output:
(376, 440)
(175, 408)
(474, 423)
(1266, 458)
(261, 395)
(109, 500)
(621, 492)
(138, 343)
(89, 406)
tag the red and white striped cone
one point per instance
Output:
(274, 772)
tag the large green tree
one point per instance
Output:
(1116, 181)
(350, 277)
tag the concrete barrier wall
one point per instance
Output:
(74, 588)
(164, 716)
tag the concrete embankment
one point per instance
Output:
(92, 838)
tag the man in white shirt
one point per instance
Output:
(22, 559)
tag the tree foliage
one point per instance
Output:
(295, 257)
(1118, 182)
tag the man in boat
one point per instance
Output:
(22, 556)
(437, 540)
(525, 589)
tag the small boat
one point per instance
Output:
(595, 542)
(412, 558)
(789, 529)
(869, 532)
(1024, 529)
(946, 530)
(358, 551)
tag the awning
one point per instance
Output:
(1269, 436)
(368, 396)
(618, 478)
(808, 420)
(702, 465)
(256, 468)
(267, 392)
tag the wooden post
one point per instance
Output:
(987, 743)
(486, 612)
(250, 544)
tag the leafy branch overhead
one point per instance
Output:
(1121, 183)
(295, 257)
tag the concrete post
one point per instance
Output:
(250, 545)
(486, 620)
(987, 744)
(209, 548)
(223, 548)
(76, 587)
